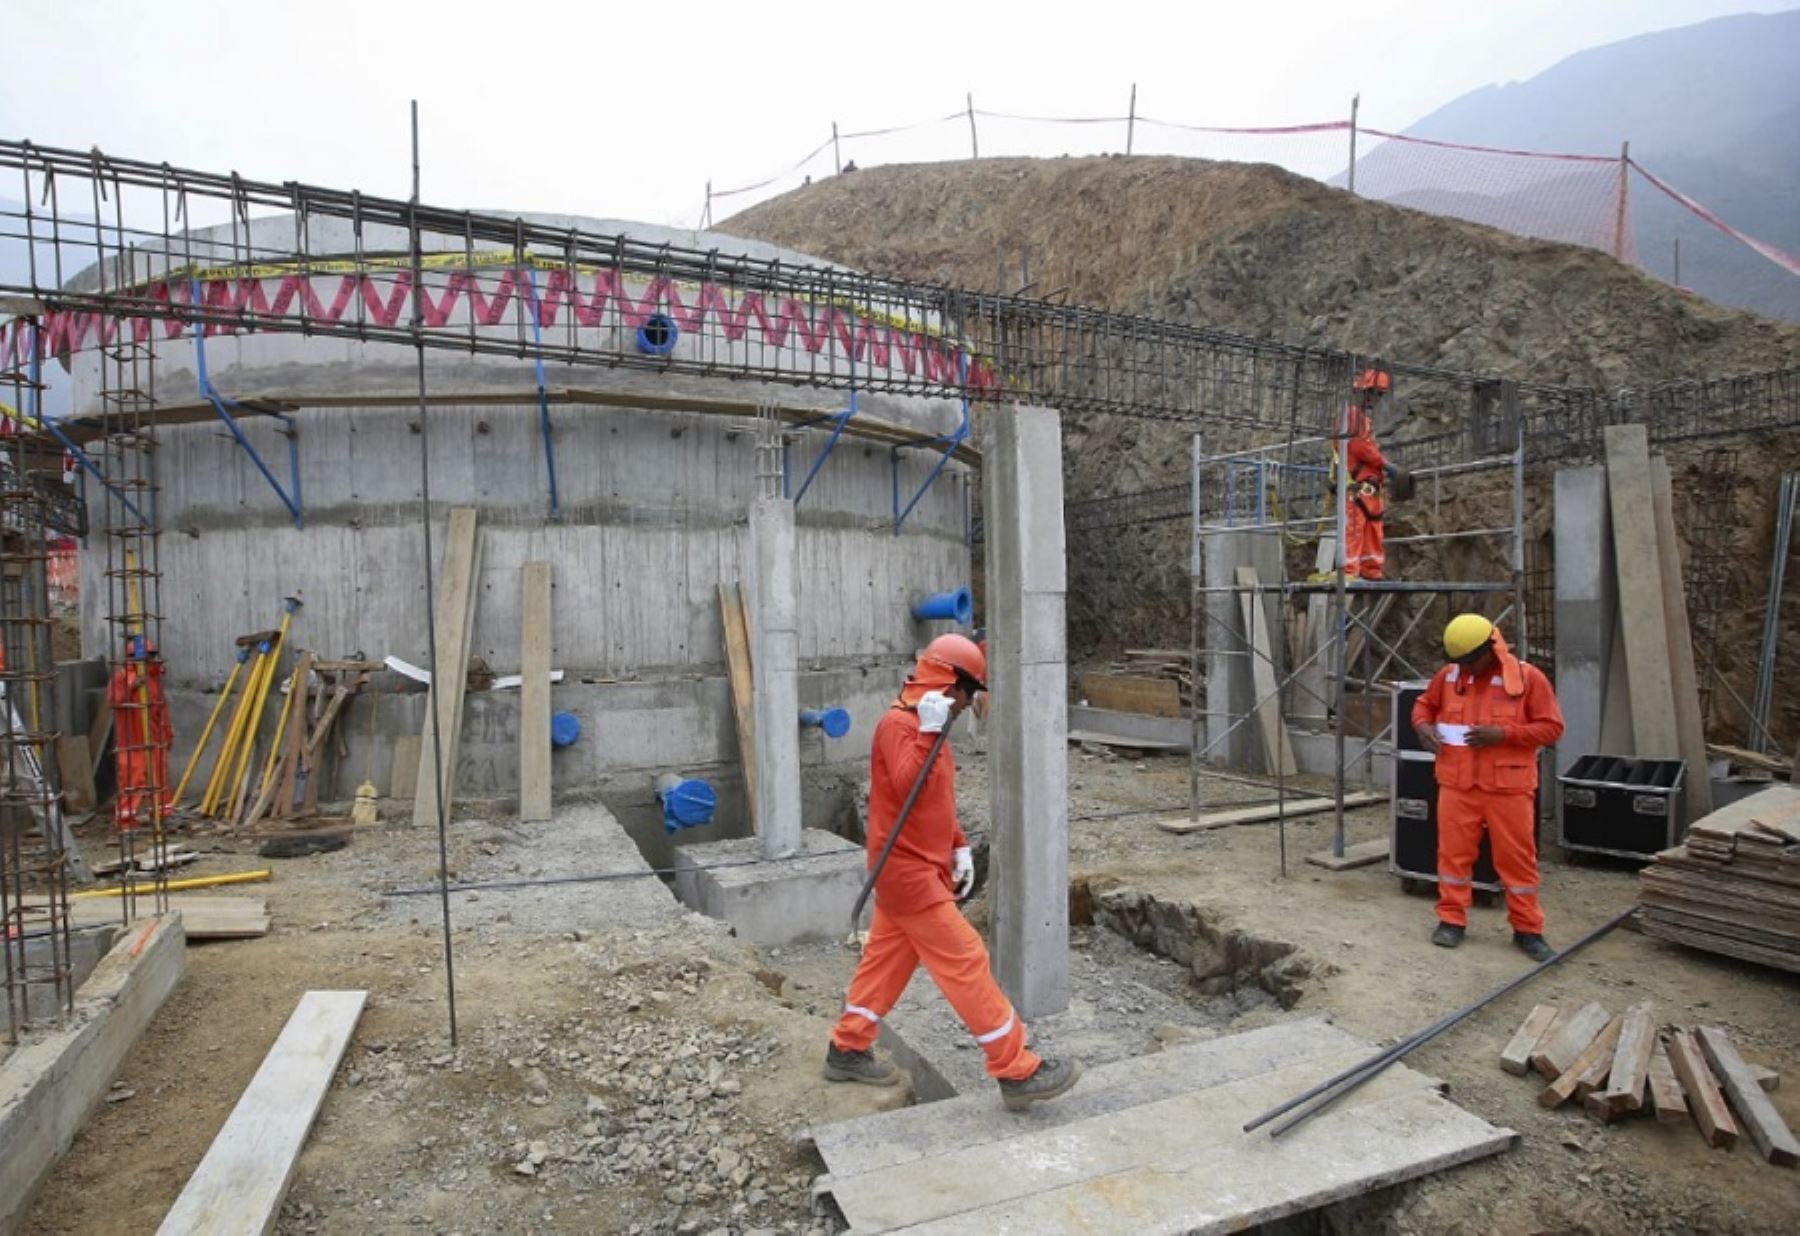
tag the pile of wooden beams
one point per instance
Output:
(1622, 1065)
(1167, 664)
(1734, 886)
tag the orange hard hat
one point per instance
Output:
(1371, 380)
(956, 653)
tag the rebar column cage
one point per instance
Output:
(1288, 491)
(36, 855)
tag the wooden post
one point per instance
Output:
(534, 695)
(837, 154)
(1131, 119)
(1624, 198)
(1355, 106)
(974, 141)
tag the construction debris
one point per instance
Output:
(1734, 886)
(1630, 1068)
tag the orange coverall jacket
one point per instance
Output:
(1515, 696)
(917, 875)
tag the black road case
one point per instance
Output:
(1615, 805)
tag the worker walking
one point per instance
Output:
(1365, 501)
(1485, 715)
(930, 869)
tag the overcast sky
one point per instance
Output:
(626, 110)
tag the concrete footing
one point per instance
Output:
(49, 1086)
(773, 903)
(86, 947)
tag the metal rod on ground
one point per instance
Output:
(912, 796)
(437, 732)
(1357, 1074)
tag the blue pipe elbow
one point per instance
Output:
(686, 803)
(565, 729)
(657, 336)
(834, 721)
(957, 606)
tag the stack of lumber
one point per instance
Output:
(1734, 886)
(1174, 665)
(1623, 1065)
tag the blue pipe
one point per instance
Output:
(537, 338)
(565, 729)
(837, 431)
(68, 444)
(834, 721)
(951, 442)
(687, 802)
(957, 606)
(222, 406)
(657, 336)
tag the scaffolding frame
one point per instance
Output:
(1282, 477)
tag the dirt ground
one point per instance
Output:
(651, 1079)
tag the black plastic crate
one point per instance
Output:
(1616, 805)
(1406, 694)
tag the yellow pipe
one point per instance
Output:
(296, 698)
(215, 783)
(237, 781)
(206, 734)
(176, 886)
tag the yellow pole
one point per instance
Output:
(206, 734)
(236, 783)
(215, 784)
(176, 886)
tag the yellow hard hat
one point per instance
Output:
(1466, 635)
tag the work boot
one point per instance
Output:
(1533, 946)
(858, 1066)
(1053, 1077)
(1447, 935)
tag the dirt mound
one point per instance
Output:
(1250, 247)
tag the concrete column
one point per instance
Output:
(1585, 608)
(775, 656)
(1230, 695)
(1028, 676)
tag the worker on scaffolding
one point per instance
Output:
(1485, 716)
(143, 734)
(929, 870)
(1365, 490)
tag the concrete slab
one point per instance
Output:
(787, 902)
(1362, 854)
(49, 1086)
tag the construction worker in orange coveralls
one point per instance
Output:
(144, 733)
(931, 868)
(1365, 504)
(1485, 715)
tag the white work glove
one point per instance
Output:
(962, 872)
(934, 712)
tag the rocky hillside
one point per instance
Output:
(1254, 249)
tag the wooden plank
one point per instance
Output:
(1615, 711)
(1781, 823)
(1567, 1040)
(239, 1185)
(1689, 728)
(1204, 1185)
(403, 776)
(1278, 751)
(294, 709)
(100, 735)
(1748, 758)
(1666, 1095)
(1625, 1084)
(205, 916)
(1008, 1172)
(457, 588)
(294, 744)
(1362, 854)
(77, 766)
(1588, 1068)
(1639, 569)
(1704, 1099)
(1755, 1112)
(887, 1139)
(1263, 812)
(1516, 1058)
(1765, 1077)
(1147, 696)
(743, 699)
(534, 695)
